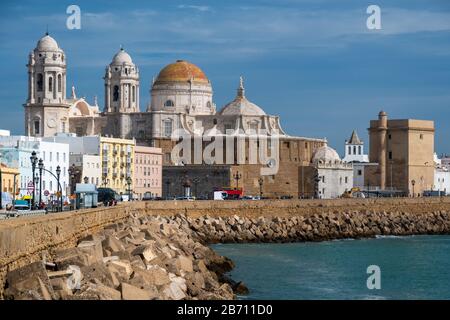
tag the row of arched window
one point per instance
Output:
(40, 83)
(355, 150)
(116, 93)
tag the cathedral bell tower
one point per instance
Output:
(121, 85)
(46, 109)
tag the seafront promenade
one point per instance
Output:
(27, 240)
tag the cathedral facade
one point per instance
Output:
(181, 99)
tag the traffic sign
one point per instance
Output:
(46, 193)
(30, 186)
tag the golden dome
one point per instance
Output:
(181, 71)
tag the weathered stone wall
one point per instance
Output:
(23, 240)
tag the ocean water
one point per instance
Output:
(415, 267)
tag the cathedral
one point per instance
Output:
(181, 99)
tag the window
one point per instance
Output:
(349, 150)
(359, 150)
(57, 156)
(390, 155)
(168, 128)
(63, 126)
(323, 179)
(346, 179)
(359, 172)
(64, 157)
(354, 149)
(59, 83)
(50, 84)
(40, 82)
(340, 180)
(169, 103)
(51, 187)
(36, 127)
(116, 93)
(421, 136)
(133, 91)
(389, 137)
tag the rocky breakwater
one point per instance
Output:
(141, 258)
(319, 226)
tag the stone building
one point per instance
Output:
(403, 150)
(327, 177)
(181, 102)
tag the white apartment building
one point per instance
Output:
(90, 167)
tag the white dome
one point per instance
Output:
(326, 154)
(47, 43)
(121, 57)
(241, 106)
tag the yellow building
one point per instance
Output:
(8, 175)
(117, 158)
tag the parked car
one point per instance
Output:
(108, 196)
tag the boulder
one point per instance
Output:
(130, 292)
(112, 244)
(29, 282)
(93, 250)
(148, 251)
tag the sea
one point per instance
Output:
(413, 267)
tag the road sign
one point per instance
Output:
(46, 193)
(30, 186)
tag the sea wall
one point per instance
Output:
(24, 240)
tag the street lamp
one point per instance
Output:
(413, 182)
(237, 176)
(260, 181)
(34, 161)
(58, 174)
(196, 180)
(168, 188)
(73, 172)
(41, 166)
(129, 181)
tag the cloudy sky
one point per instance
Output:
(313, 62)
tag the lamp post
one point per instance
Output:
(41, 166)
(34, 161)
(237, 176)
(58, 175)
(168, 188)
(413, 183)
(260, 182)
(129, 181)
(196, 180)
(73, 172)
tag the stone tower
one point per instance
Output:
(46, 109)
(121, 85)
(382, 131)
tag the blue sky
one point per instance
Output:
(313, 62)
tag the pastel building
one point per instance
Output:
(147, 171)
(116, 157)
(16, 151)
(89, 166)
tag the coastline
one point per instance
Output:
(174, 248)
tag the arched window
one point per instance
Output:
(40, 82)
(359, 150)
(116, 93)
(354, 149)
(59, 83)
(133, 91)
(208, 105)
(349, 150)
(169, 103)
(50, 84)
(37, 126)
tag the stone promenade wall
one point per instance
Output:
(23, 240)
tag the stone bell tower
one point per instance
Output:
(46, 109)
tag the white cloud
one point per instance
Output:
(199, 8)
